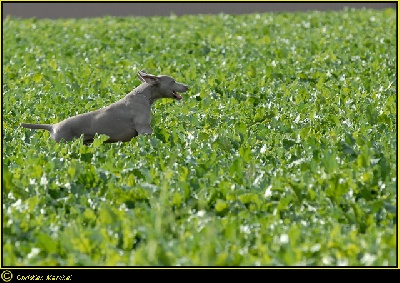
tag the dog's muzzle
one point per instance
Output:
(176, 95)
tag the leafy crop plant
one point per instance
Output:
(282, 152)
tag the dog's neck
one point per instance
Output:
(146, 91)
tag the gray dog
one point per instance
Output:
(122, 120)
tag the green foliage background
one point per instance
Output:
(283, 151)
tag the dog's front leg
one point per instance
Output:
(144, 129)
(142, 123)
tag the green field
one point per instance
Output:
(282, 152)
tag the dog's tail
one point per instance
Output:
(37, 126)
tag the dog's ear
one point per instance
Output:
(140, 77)
(148, 78)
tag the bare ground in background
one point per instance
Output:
(83, 10)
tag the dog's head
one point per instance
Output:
(166, 86)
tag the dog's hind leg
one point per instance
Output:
(88, 139)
